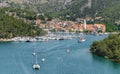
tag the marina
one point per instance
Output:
(59, 37)
(43, 38)
(53, 36)
(57, 60)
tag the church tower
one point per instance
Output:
(84, 25)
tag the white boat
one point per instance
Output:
(81, 38)
(33, 53)
(43, 59)
(68, 50)
(36, 65)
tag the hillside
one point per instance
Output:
(108, 10)
(80, 8)
(12, 26)
(108, 48)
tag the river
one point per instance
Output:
(17, 58)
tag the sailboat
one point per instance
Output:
(36, 65)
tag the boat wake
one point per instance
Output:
(24, 68)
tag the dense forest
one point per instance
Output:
(108, 48)
(11, 26)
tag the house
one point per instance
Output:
(58, 25)
(90, 27)
(100, 27)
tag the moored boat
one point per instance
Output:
(36, 65)
(81, 39)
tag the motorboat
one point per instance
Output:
(81, 39)
(68, 50)
(43, 59)
(33, 53)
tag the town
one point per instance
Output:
(70, 26)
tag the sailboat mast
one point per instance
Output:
(36, 59)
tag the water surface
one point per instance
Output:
(17, 58)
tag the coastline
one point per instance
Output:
(107, 48)
(9, 40)
(5, 40)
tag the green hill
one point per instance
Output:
(108, 48)
(107, 9)
(11, 27)
(71, 9)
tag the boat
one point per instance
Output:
(43, 59)
(68, 50)
(81, 38)
(36, 66)
(95, 33)
(33, 53)
(61, 38)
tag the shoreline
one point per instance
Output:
(10, 40)
(5, 40)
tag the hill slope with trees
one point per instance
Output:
(11, 27)
(108, 48)
(72, 9)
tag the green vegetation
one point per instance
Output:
(108, 10)
(12, 26)
(108, 48)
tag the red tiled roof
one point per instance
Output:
(90, 27)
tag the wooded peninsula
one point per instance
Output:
(108, 48)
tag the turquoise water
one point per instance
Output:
(17, 58)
